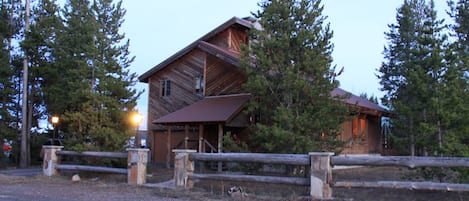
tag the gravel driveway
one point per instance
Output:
(61, 188)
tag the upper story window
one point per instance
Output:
(165, 88)
(199, 84)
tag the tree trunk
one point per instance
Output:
(24, 155)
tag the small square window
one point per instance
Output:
(165, 88)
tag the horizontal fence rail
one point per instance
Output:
(405, 161)
(92, 168)
(286, 159)
(253, 178)
(450, 187)
(320, 164)
(136, 169)
(94, 154)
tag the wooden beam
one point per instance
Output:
(201, 137)
(220, 144)
(186, 135)
(94, 154)
(405, 161)
(403, 185)
(168, 145)
(252, 178)
(92, 168)
(289, 159)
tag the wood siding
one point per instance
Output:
(369, 142)
(231, 38)
(182, 74)
(222, 78)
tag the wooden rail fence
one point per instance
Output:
(320, 180)
(89, 167)
(136, 162)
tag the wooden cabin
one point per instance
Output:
(195, 98)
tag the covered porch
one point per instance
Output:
(200, 126)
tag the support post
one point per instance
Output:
(321, 175)
(201, 137)
(137, 159)
(220, 145)
(50, 159)
(183, 167)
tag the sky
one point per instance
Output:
(157, 29)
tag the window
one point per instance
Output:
(199, 84)
(359, 127)
(165, 88)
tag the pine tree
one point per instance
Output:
(289, 79)
(457, 77)
(39, 45)
(412, 75)
(89, 83)
(112, 94)
(9, 29)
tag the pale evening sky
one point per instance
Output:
(158, 29)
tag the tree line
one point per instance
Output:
(77, 68)
(425, 77)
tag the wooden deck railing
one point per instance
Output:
(320, 180)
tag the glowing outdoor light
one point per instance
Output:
(55, 121)
(137, 119)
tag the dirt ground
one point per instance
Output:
(113, 187)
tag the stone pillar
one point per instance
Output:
(137, 166)
(183, 167)
(50, 159)
(321, 175)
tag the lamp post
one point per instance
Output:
(55, 121)
(137, 119)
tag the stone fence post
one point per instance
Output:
(321, 175)
(137, 160)
(183, 167)
(50, 159)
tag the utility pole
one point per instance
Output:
(24, 154)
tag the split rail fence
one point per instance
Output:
(320, 163)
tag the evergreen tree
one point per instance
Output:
(290, 81)
(9, 29)
(113, 98)
(39, 45)
(89, 83)
(457, 77)
(412, 77)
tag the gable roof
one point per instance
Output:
(359, 101)
(232, 22)
(211, 109)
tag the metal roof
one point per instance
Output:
(211, 109)
(357, 100)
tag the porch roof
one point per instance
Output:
(211, 109)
